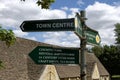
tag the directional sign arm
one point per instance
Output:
(48, 25)
(92, 36)
(55, 55)
(90, 29)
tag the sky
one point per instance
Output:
(102, 15)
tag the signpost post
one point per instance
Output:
(87, 36)
(83, 46)
(52, 55)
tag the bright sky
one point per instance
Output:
(101, 14)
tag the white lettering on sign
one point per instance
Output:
(45, 49)
(55, 25)
(43, 25)
(50, 57)
(91, 35)
(45, 53)
(48, 61)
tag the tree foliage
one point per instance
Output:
(117, 33)
(109, 57)
(45, 4)
(97, 50)
(8, 37)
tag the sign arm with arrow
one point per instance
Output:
(22, 28)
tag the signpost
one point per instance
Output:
(48, 25)
(87, 36)
(72, 24)
(52, 55)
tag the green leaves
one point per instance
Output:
(109, 56)
(97, 50)
(45, 4)
(117, 33)
(39, 3)
(7, 36)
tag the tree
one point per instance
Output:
(117, 35)
(8, 37)
(98, 50)
(109, 57)
(45, 4)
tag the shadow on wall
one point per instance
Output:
(34, 70)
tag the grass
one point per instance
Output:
(116, 76)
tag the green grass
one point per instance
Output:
(116, 76)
